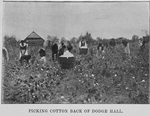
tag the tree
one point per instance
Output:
(12, 46)
(119, 40)
(73, 40)
(10, 41)
(63, 40)
(135, 38)
(98, 39)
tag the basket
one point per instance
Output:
(83, 51)
(67, 63)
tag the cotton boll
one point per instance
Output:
(133, 77)
(62, 97)
(92, 75)
(127, 88)
(97, 84)
(145, 74)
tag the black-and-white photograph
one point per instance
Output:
(75, 52)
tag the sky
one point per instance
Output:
(71, 19)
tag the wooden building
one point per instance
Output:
(34, 40)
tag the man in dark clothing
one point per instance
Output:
(61, 51)
(124, 42)
(54, 51)
(62, 45)
(69, 47)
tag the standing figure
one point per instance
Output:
(23, 48)
(83, 47)
(5, 54)
(69, 47)
(126, 47)
(142, 44)
(54, 51)
(62, 49)
(100, 49)
(82, 43)
(24, 56)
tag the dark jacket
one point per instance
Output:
(61, 51)
(124, 42)
(69, 47)
(55, 48)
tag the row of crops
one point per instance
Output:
(113, 78)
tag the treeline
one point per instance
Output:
(91, 41)
(10, 41)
